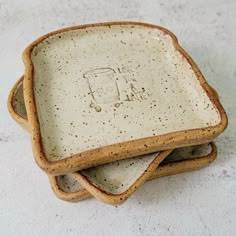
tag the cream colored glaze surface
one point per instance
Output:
(119, 176)
(104, 85)
(68, 183)
(18, 101)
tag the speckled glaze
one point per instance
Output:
(116, 177)
(67, 187)
(103, 92)
(115, 182)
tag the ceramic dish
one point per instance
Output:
(67, 188)
(103, 92)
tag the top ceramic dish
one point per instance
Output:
(99, 93)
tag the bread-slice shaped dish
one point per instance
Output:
(66, 187)
(103, 92)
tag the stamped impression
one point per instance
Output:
(108, 85)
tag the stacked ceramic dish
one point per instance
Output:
(111, 105)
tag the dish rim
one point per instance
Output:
(122, 150)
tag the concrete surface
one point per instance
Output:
(198, 203)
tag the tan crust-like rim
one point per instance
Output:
(161, 171)
(121, 150)
(116, 199)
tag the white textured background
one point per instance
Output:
(197, 203)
